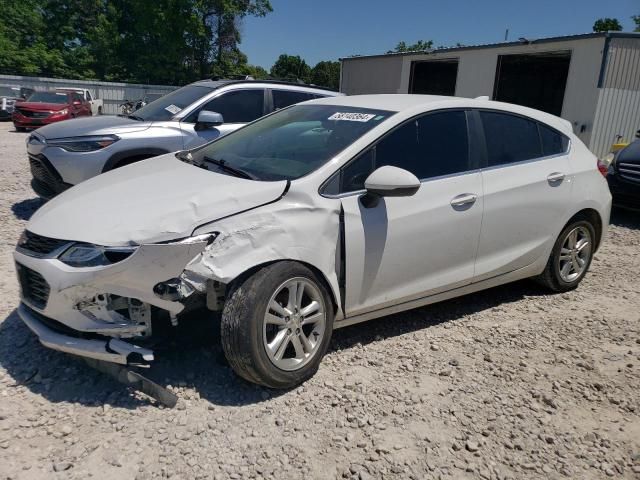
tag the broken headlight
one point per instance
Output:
(88, 255)
(84, 144)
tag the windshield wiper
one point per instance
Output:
(233, 170)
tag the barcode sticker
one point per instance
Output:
(352, 116)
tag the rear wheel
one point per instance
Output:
(570, 258)
(276, 326)
(99, 110)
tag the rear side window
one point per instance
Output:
(284, 98)
(88, 95)
(510, 138)
(240, 106)
(553, 143)
(431, 146)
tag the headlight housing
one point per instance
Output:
(64, 111)
(88, 255)
(84, 144)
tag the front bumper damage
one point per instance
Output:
(108, 350)
(88, 311)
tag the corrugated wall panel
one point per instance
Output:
(112, 93)
(618, 110)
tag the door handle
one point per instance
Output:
(555, 177)
(464, 199)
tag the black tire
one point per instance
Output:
(242, 323)
(99, 110)
(551, 277)
(21, 129)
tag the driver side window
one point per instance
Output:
(238, 106)
(433, 145)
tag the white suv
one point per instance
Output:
(66, 153)
(325, 214)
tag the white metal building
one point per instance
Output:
(112, 93)
(592, 80)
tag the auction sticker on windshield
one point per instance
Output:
(172, 109)
(352, 116)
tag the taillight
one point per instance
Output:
(603, 168)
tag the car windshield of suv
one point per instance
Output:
(49, 97)
(9, 92)
(288, 144)
(171, 104)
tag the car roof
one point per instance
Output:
(223, 82)
(414, 104)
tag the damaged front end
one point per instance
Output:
(104, 306)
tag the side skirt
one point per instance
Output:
(522, 273)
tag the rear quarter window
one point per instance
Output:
(553, 143)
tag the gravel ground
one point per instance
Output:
(509, 383)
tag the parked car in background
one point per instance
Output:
(322, 215)
(44, 108)
(96, 103)
(623, 176)
(9, 96)
(66, 154)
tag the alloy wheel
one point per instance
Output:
(575, 254)
(294, 324)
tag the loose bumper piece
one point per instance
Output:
(108, 350)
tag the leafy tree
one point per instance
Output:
(420, 45)
(149, 41)
(636, 20)
(326, 74)
(607, 25)
(291, 67)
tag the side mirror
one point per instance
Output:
(207, 119)
(388, 181)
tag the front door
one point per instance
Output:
(410, 247)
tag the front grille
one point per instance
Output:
(35, 289)
(40, 245)
(32, 114)
(46, 181)
(629, 171)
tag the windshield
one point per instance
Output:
(48, 97)
(172, 103)
(291, 143)
(9, 92)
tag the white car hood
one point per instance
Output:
(150, 201)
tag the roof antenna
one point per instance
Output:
(506, 35)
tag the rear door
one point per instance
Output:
(410, 247)
(527, 191)
(237, 107)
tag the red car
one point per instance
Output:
(42, 108)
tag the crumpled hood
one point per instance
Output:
(154, 200)
(98, 125)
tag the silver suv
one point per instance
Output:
(64, 154)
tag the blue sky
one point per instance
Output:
(330, 29)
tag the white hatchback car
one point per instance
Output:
(321, 215)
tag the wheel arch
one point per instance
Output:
(335, 299)
(130, 156)
(593, 217)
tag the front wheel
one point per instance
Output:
(570, 258)
(276, 325)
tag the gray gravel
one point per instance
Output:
(508, 383)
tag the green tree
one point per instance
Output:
(291, 67)
(419, 46)
(636, 20)
(326, 74)
(607, 25)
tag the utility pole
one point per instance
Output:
(506, 35)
